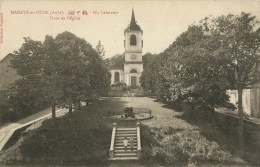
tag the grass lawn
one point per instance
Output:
(83, 138)
(167, 140)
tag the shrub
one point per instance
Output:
(159, 155)
(192, 146)
(146, 139)
(181, 147)
(4, 113)
(129, 112)
(168, 130)
(146, 154)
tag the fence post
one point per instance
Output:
(111, 150)
(138, 140)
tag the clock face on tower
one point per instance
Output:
(133, 57)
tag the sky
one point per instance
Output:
(161, 21)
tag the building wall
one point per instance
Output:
(121, 74)
(127, 74)
(139, 43)
(138, 56)
(251, 100)
(131, 50)
(137, 67)
(7, 74)
(255, 101)
(233, 98)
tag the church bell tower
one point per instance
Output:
(133, 43)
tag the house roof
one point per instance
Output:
(117, 63)
(7, 57)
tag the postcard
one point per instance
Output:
(129, 83)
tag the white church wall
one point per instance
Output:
(128, 78)
(121, 75)
(128, 68)
(138, 57)
(133, 48)
(137, 67)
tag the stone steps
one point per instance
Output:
(128, 150)
(120, 144)
(122, 147)
(125, 155)
(120, 153)
(121, 139)
(123, 158)
(125, 129)
(122, 131)
(122, 136)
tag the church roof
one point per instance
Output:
(133, 25)
(117, 62)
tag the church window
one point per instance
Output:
(133, 71)
(133, 40)
(117, 77)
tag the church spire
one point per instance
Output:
(133, 25)
(133, 17)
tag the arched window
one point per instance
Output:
(133, 71)
(117, 77)
(133, 40)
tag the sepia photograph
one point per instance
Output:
(128, 83)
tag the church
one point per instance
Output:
(132, 67)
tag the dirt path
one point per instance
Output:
(162, 114)
(7, 129)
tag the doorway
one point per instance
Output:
(133, 81)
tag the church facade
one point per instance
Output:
(132, 67)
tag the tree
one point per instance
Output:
(206, 60)
(50, 78)
(82, 73)
(146, 77)
(100, 50)
(236, 44)
(64, 70)
(148, 58)
(28, 89)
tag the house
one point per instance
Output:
(7, 74)
(250, 100)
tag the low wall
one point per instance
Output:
(136, 110)
(142, 110)
(114, 93)
(229, 124)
